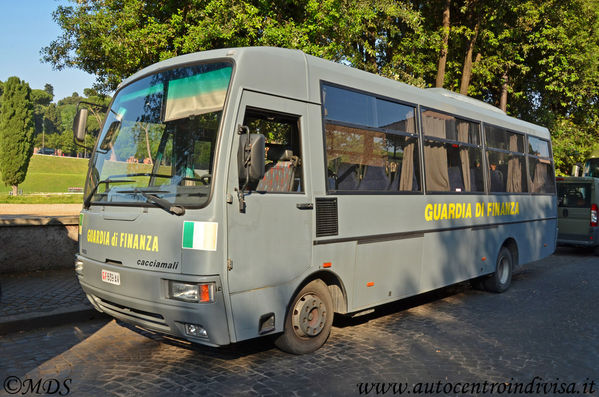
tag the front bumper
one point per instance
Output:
(142, 299)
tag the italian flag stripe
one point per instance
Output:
(200, 235)
(188, 234)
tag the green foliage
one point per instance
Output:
(49, 89)
(571, 145)
(539, 54)
(16, 131)
(51, 119)
(115, 38)
(41, 97)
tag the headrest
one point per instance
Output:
(279, 153)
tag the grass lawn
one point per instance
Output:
(42, 199)
(49, 174)
(52, 174)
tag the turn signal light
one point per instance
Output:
(594, 215)
(206, 292)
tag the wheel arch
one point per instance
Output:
(512, 246)
(335, 286)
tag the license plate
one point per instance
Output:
(111, 277)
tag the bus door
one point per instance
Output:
(269, 240)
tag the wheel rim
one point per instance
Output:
(309, 316)
(503, 270)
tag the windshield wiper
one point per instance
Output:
(88, 199)
(162, 203)
(143, 174)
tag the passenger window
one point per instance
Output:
(371, 143)
(542, 179)
(507, 172)
(500, 138)
(506, 161)
(283, 170)
(452, 153)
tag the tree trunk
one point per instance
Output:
(503, 97)
(443, 54)
(467, 71)
(15, 190)
(148, 145)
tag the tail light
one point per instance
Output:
(594, 210)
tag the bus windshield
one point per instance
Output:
(159, 138)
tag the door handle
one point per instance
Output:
(305, 206)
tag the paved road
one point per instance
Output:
(544, 329)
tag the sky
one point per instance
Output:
(26, 26)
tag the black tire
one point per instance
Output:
(501, 279)
(308, 321)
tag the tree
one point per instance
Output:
(16, 132)
(443, 54)
(535, 59)
(115, 38)
(49, 89)
(51, 119)
(41, 99)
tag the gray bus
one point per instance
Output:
(244, 192)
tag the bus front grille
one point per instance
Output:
(135, 315)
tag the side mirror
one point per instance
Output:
(250, 157)
(80, 125)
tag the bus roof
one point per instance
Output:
(278, 70)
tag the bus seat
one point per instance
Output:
(456, 184)
(375, 178)
(395, 177)
(476, 180)
(347, 178)
(279, 174)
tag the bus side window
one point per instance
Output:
(506, 161)
(283, 171)
(371, 142)
(452, 153)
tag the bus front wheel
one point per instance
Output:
(502, 278)
(309, 320)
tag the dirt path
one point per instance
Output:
(40, 209)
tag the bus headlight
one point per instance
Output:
(203, 292)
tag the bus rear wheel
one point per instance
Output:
(309, 320)
(502, 278)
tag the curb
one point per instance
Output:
(60, 316)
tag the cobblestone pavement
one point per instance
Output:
(545, 326)
(32, 292)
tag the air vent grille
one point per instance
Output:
(327, 221)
